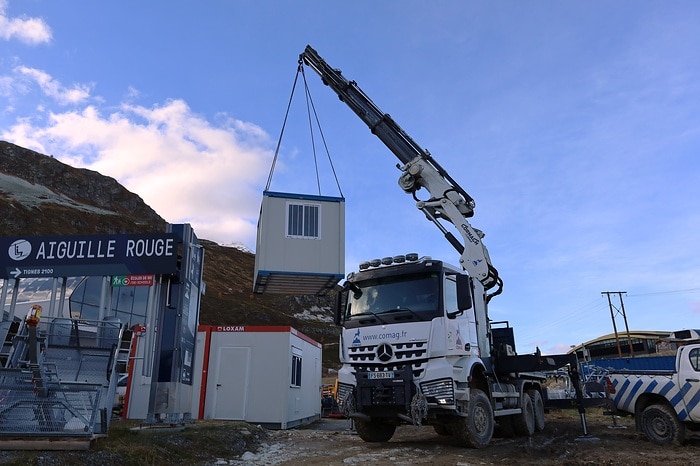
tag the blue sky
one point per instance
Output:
(574, 125)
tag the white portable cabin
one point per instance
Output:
(300, 244)
(267, 375)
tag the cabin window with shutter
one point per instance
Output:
(303, 220)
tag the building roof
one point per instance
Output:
(635, 334)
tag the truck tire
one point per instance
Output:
(476, 429)
(524, 423)
(661, 425)
(538, 406)
(374, 431)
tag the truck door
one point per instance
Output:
(689, 380)
(460, 337)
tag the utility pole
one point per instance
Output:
(624, 317)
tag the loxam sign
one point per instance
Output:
(67, 256)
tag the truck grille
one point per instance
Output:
(390, 357)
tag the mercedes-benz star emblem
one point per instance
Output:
(384, 352)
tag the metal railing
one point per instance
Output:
(60, 379)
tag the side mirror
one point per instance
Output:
(341, 301)
(464, 292)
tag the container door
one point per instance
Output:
(231, 387)
(689, 380)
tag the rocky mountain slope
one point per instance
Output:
(41, 196)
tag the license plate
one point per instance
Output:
(380, 375)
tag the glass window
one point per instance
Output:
(84, 301)
(129, 303)
(85, 311)
(695, 358)
(93, 290)
(303, 220)
(296, 370)
(140, 304)
(451, 294)
(416, 294)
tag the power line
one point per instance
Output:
(582, 313)
(689, 290)
(566, 319)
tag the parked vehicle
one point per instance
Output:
(665, 402)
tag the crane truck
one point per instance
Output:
(417, 345)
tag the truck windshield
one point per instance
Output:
(385, 298)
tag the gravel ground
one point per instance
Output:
(331, 442)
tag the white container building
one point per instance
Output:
(267, 375)
(300, 244)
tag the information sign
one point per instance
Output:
(73, 256)
(132, 280)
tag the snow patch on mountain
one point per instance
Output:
(316, 313)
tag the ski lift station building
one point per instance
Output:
(267, 375)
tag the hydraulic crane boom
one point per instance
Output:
(448, 201)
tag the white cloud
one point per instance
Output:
(5, 86)
(53, 88)
(31, 31)
(184, 167)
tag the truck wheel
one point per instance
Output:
(374, 431)
(538, 406)
(661, 425)
(476, 429)
(524, 423)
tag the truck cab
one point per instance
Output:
(689, 379)
(409, 341)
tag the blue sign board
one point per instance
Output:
(74, 256)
